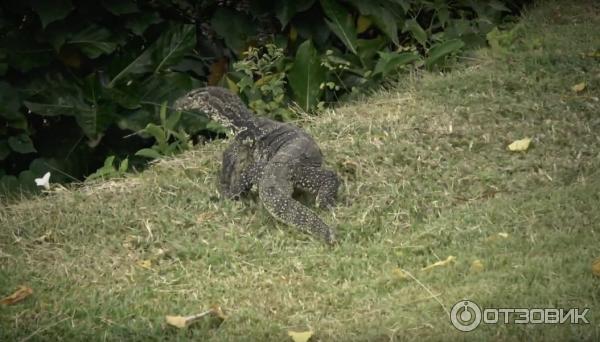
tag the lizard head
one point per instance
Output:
(220, 105)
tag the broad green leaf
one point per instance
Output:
(498, 6)
(126, 100)
(441, 50)
(384, 15)
(306, 75)
(9, 183)
(21, 143)
(340, 22)
(24, 53)
(135, 121)
(51, 109)
(9, 102)
(234, 27)
(389, 61)
(27, 180)
(148, 153)
(4, 149)
(50, 11)
(120, 7)
(368, 48)
(93, 41)
(138, 23)
(315, 29)
(285, 10)
(416, 30)
(167, 50)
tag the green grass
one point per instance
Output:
(426, 175)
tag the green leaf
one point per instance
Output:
(234, 27)
(9, 102)
(368, 48)
(440, 50)
(27, 180)
(167, 50)
(285, 10)
(50, 11)
(138, 23)
(173, 120)
(24, 53)
(389, 61)
(498, 6)
(9, 183)
(123, 98)
(385, 16)
(123, 166)
(416, 30)
(340, 22)
(93, 41)
(306, 75)
(120, 7)
(148, 153)
(21, 143)
(156, 132)
(4, 149)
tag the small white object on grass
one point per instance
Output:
(44, 181)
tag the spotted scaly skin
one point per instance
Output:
(277, 157)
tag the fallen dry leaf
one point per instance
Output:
(147, 264)
(217, 311)
(519, 145)
(21, 293)
(399, 273)
(477, 266)
(440, 263)
(177, 321)
(495, 237)
(300, 336)
(184, 321)
(596, 267)
(579, 87)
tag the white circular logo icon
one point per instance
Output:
(465, 315)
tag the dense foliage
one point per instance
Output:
(81, 78)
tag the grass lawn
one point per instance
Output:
(426, 175)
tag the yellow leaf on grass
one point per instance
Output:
(596, 267)
(145, 263)
(21, 293)
(399, 273)
(177, 321)
(477, 266)
(217, 311)
(300, 336)
(520, 145)
(579, 87)
(184, 321)
(440, 263)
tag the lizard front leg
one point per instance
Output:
(238, 171)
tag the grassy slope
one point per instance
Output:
(426, 175)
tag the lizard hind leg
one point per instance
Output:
(275, 191)
(323, 183)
